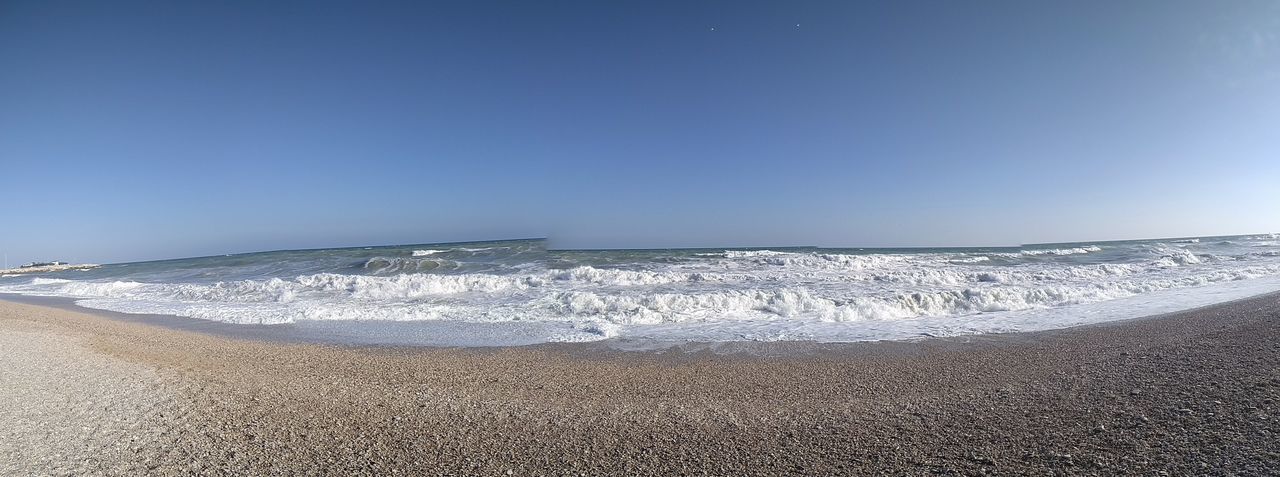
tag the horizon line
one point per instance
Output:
(723, 247)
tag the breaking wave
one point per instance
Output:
(594, 295)
(1062, 251)
(611, 295)
(389, 265)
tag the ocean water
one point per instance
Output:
(517, 292)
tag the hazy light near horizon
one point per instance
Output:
(132, 131)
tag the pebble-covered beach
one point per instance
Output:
(1196, 392)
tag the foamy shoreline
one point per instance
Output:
(466, 333)
(520, 292)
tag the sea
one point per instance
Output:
(519, 292)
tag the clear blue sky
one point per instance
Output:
(138, 130)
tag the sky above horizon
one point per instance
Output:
(146, 130)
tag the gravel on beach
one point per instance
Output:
(1195, 392)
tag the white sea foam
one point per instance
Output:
(829, 261)
(1065, 251)
(480, 249)
(977, 259)
(749, 253)
(1052, 251)
(734, 294)
(1173, 257)
(628, 277)
(585, 299)
(1156, 302)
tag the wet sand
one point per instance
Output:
(1187, 393)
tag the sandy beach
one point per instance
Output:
(670, 238)
(1189, 393)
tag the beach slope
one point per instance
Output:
(1192, 392)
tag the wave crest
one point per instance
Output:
(389, 265)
